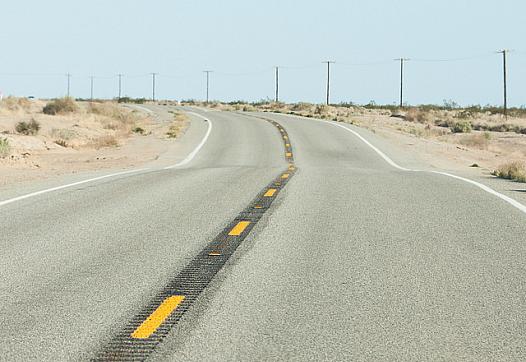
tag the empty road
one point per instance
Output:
(351, 259)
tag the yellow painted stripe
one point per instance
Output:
(291, 168)
(285, 175)
(239, 228)
(258, 207)
(150, 325)
(285, 138)
(215, 253)
(270, 193)
(288, 154)
(287, 145)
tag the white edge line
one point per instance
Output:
(192, 154)
(488, 189)
(33, 194)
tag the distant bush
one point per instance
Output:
(132, 100)
(5, 147)
(28, 128)
(62, 143)
(461, 127)
(61, 106)
(515, 171)
(138, 130)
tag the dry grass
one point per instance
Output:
(61, 106)
(104, 141)
(515, 171)
(5, 147)
(480, 140)
(14, 104)
(178, 125)
(113, 117)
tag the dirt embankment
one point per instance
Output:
(39, 139)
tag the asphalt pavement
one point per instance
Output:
(354, 260)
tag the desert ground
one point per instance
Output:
(80, 136)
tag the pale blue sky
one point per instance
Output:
(241, 40)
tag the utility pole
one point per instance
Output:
(69, 84)
(504, 52)
(402, 60)
(277, 84)
(329, 62)
(120, 86)
(207, 83)
(91, 88)
(153, 86)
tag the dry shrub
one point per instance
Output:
(61, 106)
(15, 104)
(114, 116)
(515, 171)
(5, 147)
(104, 141)
(417, 116)
(480, 140)
(302, 107)
(30, 128)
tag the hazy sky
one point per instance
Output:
(241, 40)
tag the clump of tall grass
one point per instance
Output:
(5, 147)
(515, 171)
(61, 106)
(28, 128)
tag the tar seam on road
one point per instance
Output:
(151, 325)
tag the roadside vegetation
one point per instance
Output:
(5, 147)
(178, 125)
(515, 171)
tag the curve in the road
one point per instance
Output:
(148, 328)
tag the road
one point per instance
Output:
(354, 260)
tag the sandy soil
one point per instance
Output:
(86, 140)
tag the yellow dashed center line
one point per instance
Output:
(287, 145)
(270, 193)
(285, 138)
(258, 207)
(285, 175)
(150, 325)
(214, 253)
(288, 154)
(239, 228)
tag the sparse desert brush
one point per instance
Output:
(515, 171)
(15, 104)
(5, 147)
(480, 140)
(417, 115)
(63, 134)
(104, 141)
(461, 127)
(62, 143)
(302, 107)
(138, 130)
(28, 128)
(61, 106)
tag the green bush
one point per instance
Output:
(61, 106)
(28, 128)
(5, 147)
(461, 127)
